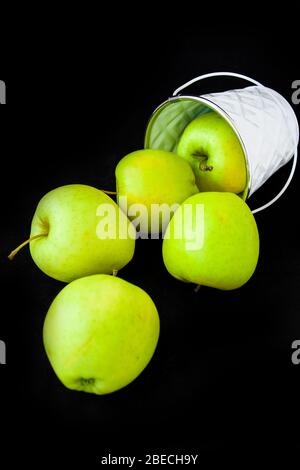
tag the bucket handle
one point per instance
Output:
(255, 82)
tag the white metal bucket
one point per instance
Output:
(262, 119)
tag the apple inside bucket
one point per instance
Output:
(205, 136)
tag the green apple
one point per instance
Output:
(100, 333)
(68, 239)
(212, 240)
(153, 181)
(212, 148)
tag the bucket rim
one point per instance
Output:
(210, 104)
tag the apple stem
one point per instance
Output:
(109, 192)
(115, 272)
(198, 286)
(204, 167)
(16, 250)
(203, 159)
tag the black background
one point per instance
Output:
(222, 377)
